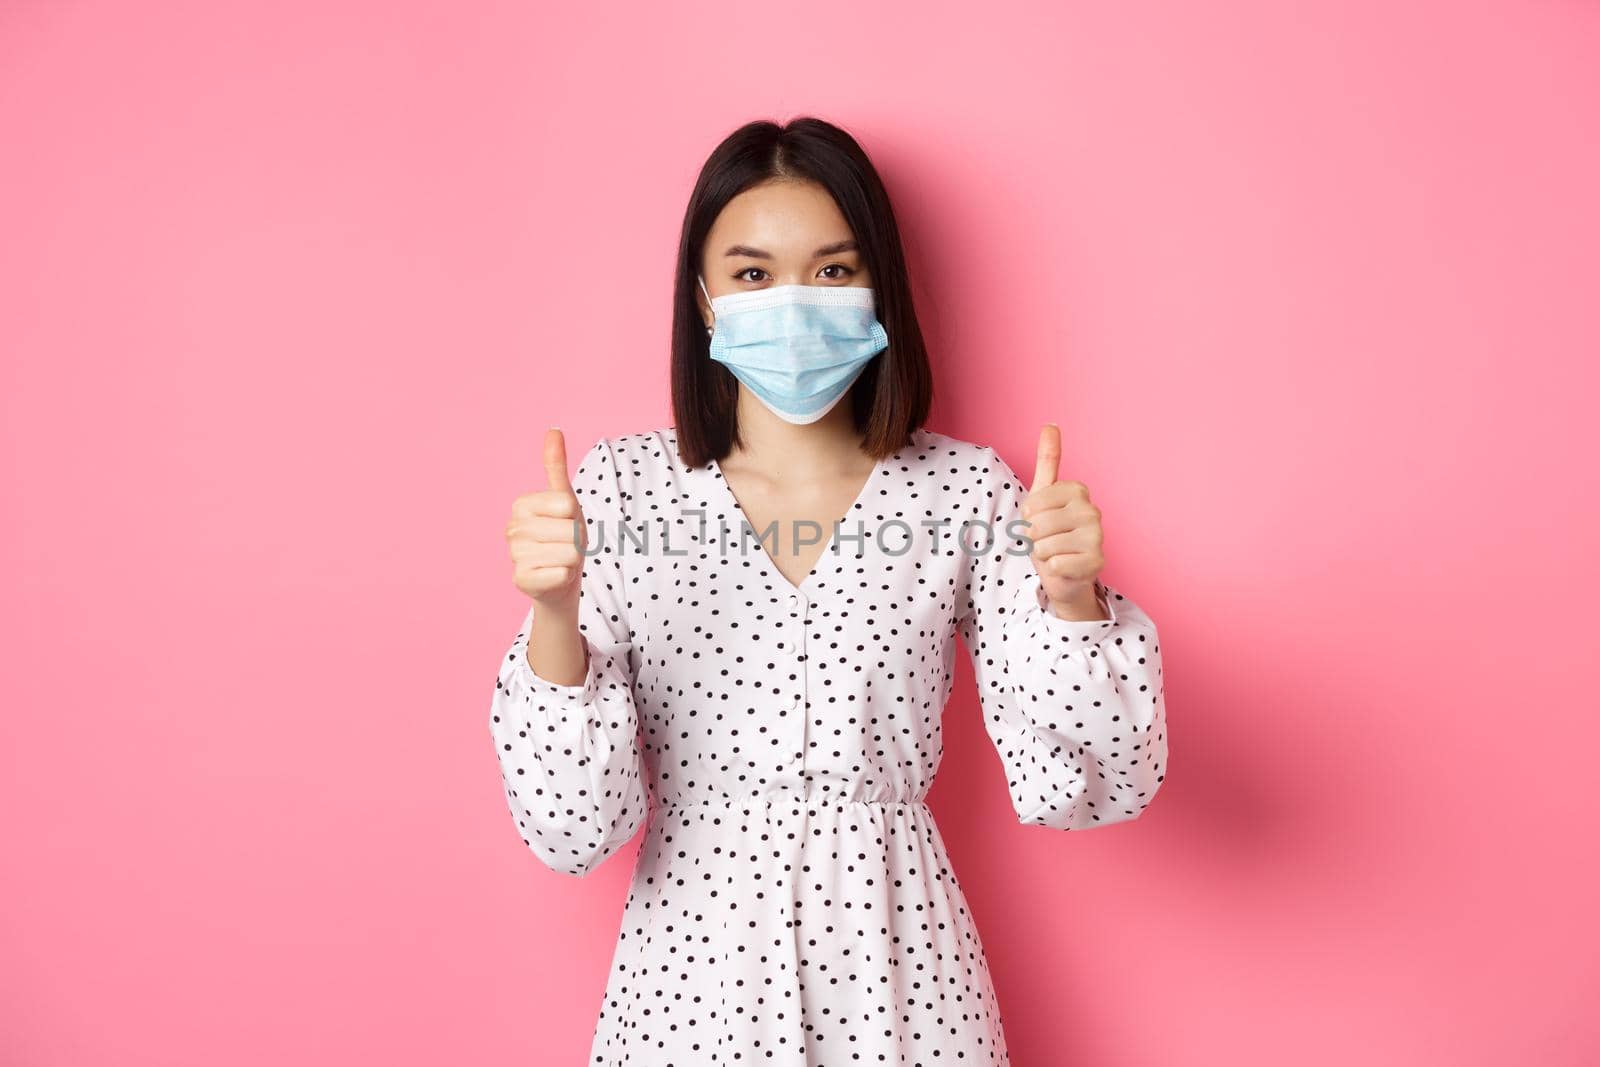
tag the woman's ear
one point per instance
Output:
(702, 301)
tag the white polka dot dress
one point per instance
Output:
(792, 901)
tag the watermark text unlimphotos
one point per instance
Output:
(893, 537)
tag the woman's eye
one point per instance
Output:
(840, 267)
(747, 270)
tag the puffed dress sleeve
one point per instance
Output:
(1074, 709)
(570, 757)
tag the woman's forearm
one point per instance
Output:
(556, 649)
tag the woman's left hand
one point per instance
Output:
(1065, 528)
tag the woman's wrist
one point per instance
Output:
(1085, 607)
(555, 649)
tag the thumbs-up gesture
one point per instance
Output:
(1065, 528)
(547, 534)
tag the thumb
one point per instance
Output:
(555, 459)
(1049, 465)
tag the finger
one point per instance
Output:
(1058, 495)
(544, 528)
(555, 459)
(1070, 543)
(1074, 566)
(1049, 465)
(533, 580)
(546, 553)
(559, 504)
(1052, 521)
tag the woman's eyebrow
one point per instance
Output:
(848, 245)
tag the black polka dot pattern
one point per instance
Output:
(792, 901)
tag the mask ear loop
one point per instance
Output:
(708, 302)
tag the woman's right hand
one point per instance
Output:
(546, 547)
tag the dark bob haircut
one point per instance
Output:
(892, 396)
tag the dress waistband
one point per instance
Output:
(782, 800)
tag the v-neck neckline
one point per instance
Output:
(828, 546)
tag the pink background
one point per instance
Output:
(290, 293)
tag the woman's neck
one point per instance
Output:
(775, 447)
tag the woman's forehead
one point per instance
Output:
(793, 219)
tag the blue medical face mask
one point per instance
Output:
(798, 348)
